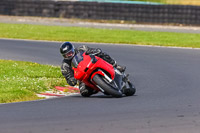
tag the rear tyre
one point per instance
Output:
(100, 81)
(131, 90)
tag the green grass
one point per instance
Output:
(20, 81)
(77, 34)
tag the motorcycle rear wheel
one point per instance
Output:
(131, 90)
(107, 87)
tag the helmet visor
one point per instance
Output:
(69, 54)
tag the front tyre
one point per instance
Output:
(100, 81)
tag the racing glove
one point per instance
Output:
(93, 51)
(72, 81)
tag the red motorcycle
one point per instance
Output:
(101, 76)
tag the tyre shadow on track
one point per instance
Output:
(101, 96)
(94, 96)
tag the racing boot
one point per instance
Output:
(85, 91)
(120, 68)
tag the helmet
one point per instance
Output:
(67, 50)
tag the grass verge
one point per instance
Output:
(20, 81)
(77, 34)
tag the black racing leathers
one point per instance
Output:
(68, 72)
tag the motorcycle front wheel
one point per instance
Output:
(100, 81)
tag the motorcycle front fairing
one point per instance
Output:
(78, 74)
(85, 66)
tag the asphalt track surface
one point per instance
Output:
(166, 101)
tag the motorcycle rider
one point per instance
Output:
(68, 52)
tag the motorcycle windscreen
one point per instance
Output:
(77, 59)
